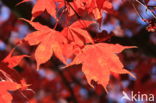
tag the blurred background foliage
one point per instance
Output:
(55, 85)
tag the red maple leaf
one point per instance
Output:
(99, 60)
(75, 32)
(42, 5)
(13, 61)
(48, 40)
(5, 86)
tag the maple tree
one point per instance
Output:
(76, 45)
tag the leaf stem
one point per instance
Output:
(67, 84)
(79, 17)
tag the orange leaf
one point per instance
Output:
(44, 51)
(13, 60)
(99, 60)
(76, 33)
(5, 86)
(41, 6)
(48, 40)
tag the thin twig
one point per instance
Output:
(146, 8)
(74, 11)
(67, 84)
(58, 19)
(137, 11)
